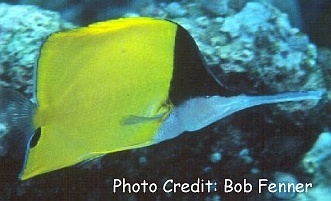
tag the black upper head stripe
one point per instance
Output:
(190, 76)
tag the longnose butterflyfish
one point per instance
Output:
(118, 85)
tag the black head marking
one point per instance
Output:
(190, 77)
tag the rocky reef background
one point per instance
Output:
(251, 48)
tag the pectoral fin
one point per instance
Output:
(133, 119)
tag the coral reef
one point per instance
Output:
(302, 14)
(21, 36)
(251, 49)
(258, 46)
(216, 7)
(86, 12)
(318, 162)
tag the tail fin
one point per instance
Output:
(16, 126)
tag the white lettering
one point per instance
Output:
(246, 187)
(284, 187)
(127, 187)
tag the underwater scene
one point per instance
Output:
(211, 100)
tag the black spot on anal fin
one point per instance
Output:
(35, 138)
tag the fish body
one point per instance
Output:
(119, 85)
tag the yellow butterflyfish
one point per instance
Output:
(119, 85)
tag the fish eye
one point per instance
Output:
(35, 138)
